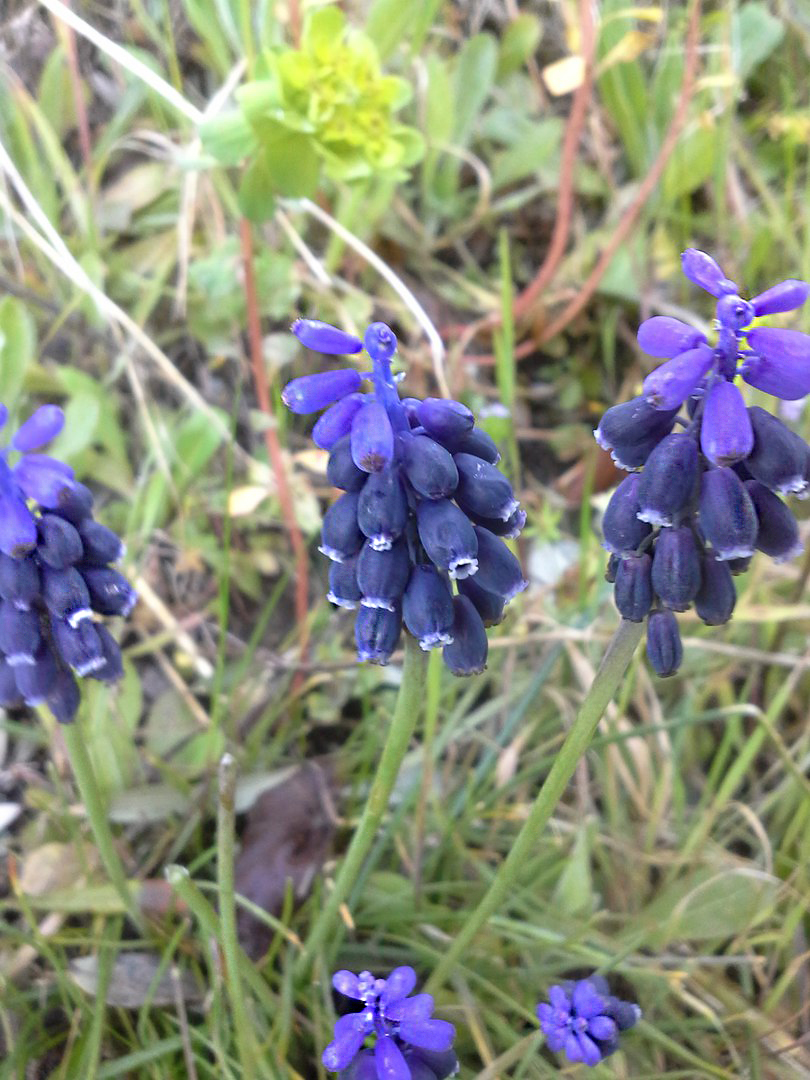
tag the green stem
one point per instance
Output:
(226, 822)
(607, 680)
(97, 816)
(406, 713)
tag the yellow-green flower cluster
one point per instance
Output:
(325, 107)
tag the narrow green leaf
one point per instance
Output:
(18, 342)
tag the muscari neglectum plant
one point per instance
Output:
(57, 581)
(422, 512)
(704, 490)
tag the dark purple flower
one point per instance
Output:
(622, 529)
(376, 632)
(447, 421)
(777, 529)
(676, 567)
(584, 1020)
(466, 654)
(725, 433)
(394, 1036)
(633, 594)
(667, 484)
(717, 595)
(429, 467)
(664, 648)
(427, 607)
(483, 490)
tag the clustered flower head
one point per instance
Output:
(407, 1042)
(424, 507)
(55, 576)
(699, 501)
(584, 1019)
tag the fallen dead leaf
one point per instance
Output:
(287, 839)
(131, 981)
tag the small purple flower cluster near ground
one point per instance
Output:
(396, 1037)
(700, 500)
(424, 507)
(55, 576)
(408, 1042)
(584, 1019)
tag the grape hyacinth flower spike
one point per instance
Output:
(701, 500)
(56, 576)
(394, 1036)
(585, 1020)
(424, 509)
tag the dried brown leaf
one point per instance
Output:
(287, 839)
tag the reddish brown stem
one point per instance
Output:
(646, 188)
(271, 438)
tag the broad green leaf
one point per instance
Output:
(474, 77)
(692, 163)
(756, 33)
(18, 342)
(711, 906)
(256, 198)
(81, 420)
(260, 99)
(439, 107)
(539, 148)
(519, 41)
(574, 891)
(195, 444)
(292, 163)
(229, 138)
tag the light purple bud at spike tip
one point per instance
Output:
(42, 426)
(726, 435)
(313, 392)
(667, 337)
(705, 272)
(380, 342)
(781, 364)
(786, 296)
(671, 384)
(324, 338)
